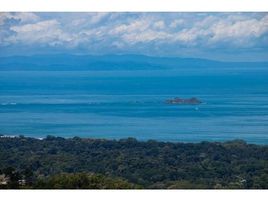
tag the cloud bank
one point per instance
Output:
(219, 35)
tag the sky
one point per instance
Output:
(218, 36)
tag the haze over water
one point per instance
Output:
(120, 104)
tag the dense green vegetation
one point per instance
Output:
(20, 180)
(56, 162)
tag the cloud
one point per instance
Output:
(159, 24)
(87, 19)
(168, 33)
(141, 30)
(46, 32)
(176, 23)
(97, 17)
(239, 32)
(233, 31)
(77, 22)
(134, 26)
(145, 37)
(23, 17)
(190, 36)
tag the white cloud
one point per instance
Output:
(26, 17)
(240, 29)
(159, 24)
(22, 16)
(134, 26)
(121, 30)
(97, 17)
(77, 22)
(47, 32)
(176, 23)
(40, 26)
(190, 36)
(209, 30)
(146, 36)
(143, 30)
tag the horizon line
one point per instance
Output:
(144, 55)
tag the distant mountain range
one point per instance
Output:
(66, 62)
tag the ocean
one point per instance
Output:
(121, 104)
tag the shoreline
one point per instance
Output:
(133, 138)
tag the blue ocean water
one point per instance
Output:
(120, 104)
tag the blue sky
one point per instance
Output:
(220, 36)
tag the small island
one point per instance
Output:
(190, 101)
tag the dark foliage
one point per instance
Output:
(56, 162)
(82, 181)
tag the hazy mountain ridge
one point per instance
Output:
(110, 62)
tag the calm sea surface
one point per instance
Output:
(120, 104)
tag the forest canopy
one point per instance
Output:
(56, 162)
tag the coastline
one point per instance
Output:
(138, 140)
